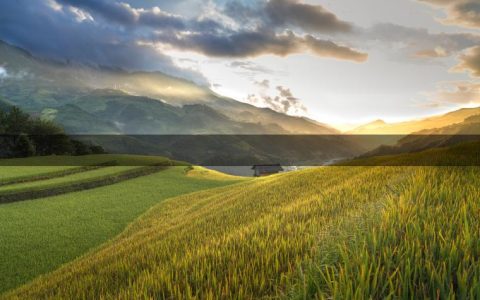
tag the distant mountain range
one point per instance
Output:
(137, 112)
(100, 100)
(467, 130)
(107, 104)
(380, 127)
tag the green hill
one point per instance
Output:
(40, 235)
(80, 97)
(338, 232)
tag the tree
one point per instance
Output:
(49, 138)
(17, 122)
(22, 146)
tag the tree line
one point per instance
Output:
(22, 135)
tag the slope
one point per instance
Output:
(468, 130)
(379, 127)
(253, 240)
(38, 236)
(39, 85)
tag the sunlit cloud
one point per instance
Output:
(470, 62)
(463, 93)
(279, 99)
(459, 12)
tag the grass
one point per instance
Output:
(59, 181)
(463, 154)
(87, 160)
(19, 170)
(201, 172)
(425, 246)
(38, 236)
(242, 241)
(340, 232)
(19, 173)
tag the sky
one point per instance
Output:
(337, 61)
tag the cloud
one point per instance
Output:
(432, 53)
(118, 12)
(459, 12)
(249, 66)
(461, 92)
(154, 17)
(3, 73)
(51, 30)
(416, 42)
(265, 84)
(283, 101)
(256, 43)
(313, 18)
(286, 14)
(330, 49)
(120, 34)
(470, 61)
(465, 92)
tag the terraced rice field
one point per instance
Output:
(62, 162)
(282, 237)
(37, 236)
(17, 173)
(59, 181)
(340, 232)
(241, 241)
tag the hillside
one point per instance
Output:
(139, 112)
(379, 127)
(57, 89)
(39, 235)
(330, 232)
(467, 130)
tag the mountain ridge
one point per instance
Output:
(408, 127)
(36, 84)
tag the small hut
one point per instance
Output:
(265, 170)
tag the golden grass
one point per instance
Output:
(339, 232)
(426, 245)
(243, 241)
(204, 173)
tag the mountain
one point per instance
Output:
(152, 113)
(5, 105)
(403, 128)
(369, 127)
(132, 102)
(468, 130)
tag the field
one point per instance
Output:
(339, 232)
(18, 173)
(39, 235)
(59, 162)
(62, 180)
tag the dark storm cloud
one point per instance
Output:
(330, 49)
(460, 12)
(114, 33)
(287, 14)
(58, 34)
(255, 43)
(126, 15)
(308, 17)
(118, 12)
